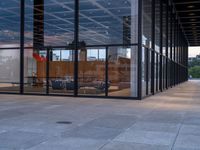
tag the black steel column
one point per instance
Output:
(76, 46)
(161, 45)
(22, 7)
(167, 45)
(140, 49)
(153, 49)
(171, 45)
(178, 48)
(187, 62)
(174, 38)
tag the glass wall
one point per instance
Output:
(105, 41)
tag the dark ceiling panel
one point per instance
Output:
(189, 13)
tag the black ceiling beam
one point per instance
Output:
(192, 34)
(190, 17)
(192, 22)
(192, 10)
(187, 2)
(189, 27)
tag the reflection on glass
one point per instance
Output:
(147, 22)
(9, 70)
(149, 69)
(157, 25)
(122, 71)
(144, 71)
(34, 71)
(108, 21)
(91, 73)
(9, 23)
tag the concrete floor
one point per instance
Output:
(169, 120)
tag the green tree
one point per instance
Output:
(195, 62)
(194, 71)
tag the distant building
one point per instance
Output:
(190, 59)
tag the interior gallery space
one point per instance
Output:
(93, 48)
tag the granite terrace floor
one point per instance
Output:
(169, 120)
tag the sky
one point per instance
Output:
(193, 51)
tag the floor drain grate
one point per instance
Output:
(64, 122)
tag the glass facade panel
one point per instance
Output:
(58, 22)
(49, 23)
(61, 72)
(155, 72)
(157, 25)
(147, 23)
(28, 23)
(35, 71)
(149, 72)
(144, 71)
(164, 37)
(9, 23)
(9, 70)
(91, 72)
(108, 22)
(122, 71)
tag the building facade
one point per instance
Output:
(91, 48)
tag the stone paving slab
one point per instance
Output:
(147, 137)
(70, 144)
(20, 140)
(187, 141)
(133, 146)
(86, 131)
(157, 127)
(113, 121)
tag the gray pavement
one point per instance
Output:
(168, 120)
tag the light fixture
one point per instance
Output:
(192, 19)
(191, 6)
(191, 14)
